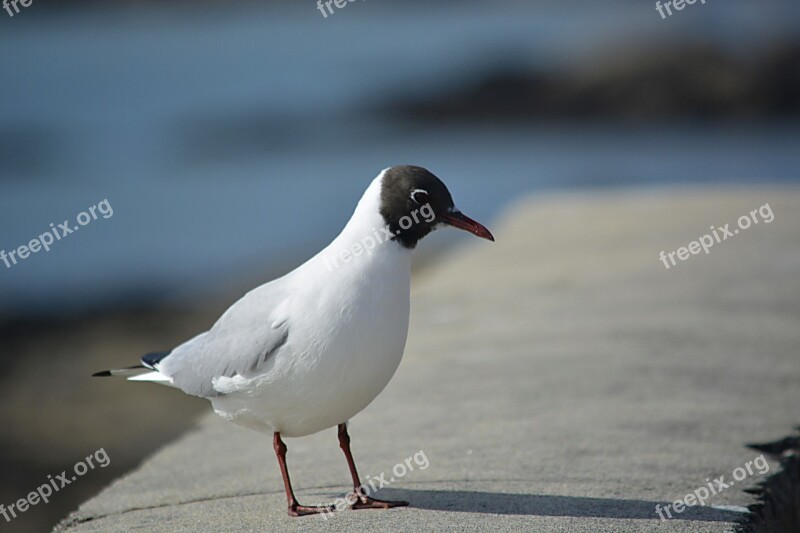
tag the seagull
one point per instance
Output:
(310, 350)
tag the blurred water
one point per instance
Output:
(241, 137)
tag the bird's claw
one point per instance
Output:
(305, 510)
(365, 502)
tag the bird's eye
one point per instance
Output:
(420, 196)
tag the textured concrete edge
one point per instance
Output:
(78, 516)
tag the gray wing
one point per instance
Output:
(241, 341)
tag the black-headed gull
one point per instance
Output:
(310, 350)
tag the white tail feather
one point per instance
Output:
(152, 376)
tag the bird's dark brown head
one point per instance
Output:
(414, 202)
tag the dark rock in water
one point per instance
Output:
(777, 81)
(690, 82)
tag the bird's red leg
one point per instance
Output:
(295, 509)
(363, 501)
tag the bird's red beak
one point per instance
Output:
(459, 220)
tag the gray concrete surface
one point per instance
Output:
(559, 380)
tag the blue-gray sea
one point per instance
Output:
(233, 140)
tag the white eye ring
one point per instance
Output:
(418, 191)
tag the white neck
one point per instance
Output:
(365, 241)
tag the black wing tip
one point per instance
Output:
(108, 373)
(152, 359)
(148, 361)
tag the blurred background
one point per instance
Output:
(233, 140)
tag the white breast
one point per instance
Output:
(347, 331)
